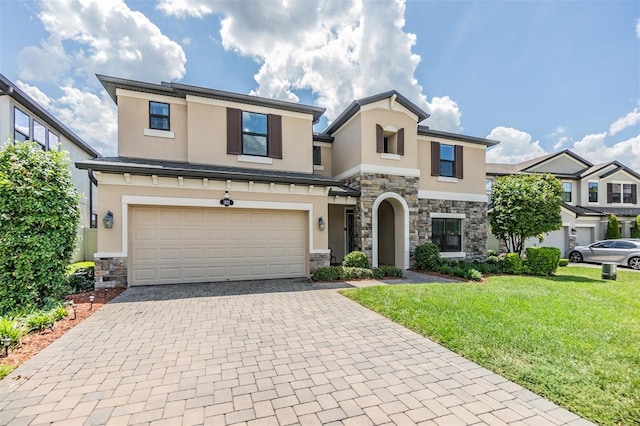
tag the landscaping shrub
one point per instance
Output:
(512, 264)
(384, 271)
(493, 259)
(60, 312)
(427, 257)
(328, 273)
(446, 269)
(613, 228)
(542, 260)
(635, 228)
(40, 320)
(5, 370)
(563, 262)
(80, 277)
(473, 274)
(12, 329)
(459, 271)
(492, 252)
(356, 259)
(353, 273)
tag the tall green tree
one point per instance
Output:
(613, 228)
(39, 217)
(525, 206)
(635, 228)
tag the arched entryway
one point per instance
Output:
(390, 223)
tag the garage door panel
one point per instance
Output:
(173, 245)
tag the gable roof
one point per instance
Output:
(179, 90)
(355, 106)
(558, 154)
(10, 89)
(426, 131)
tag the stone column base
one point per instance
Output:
(111, 272)
(318, 260)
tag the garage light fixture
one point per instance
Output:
(321, 223)
(107, 220)
(226, 200)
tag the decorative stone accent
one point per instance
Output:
(318, 260)
(110, 272)
(372, 185)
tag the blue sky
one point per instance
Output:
(539, 76)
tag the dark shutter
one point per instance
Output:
(458, 164)
(609, 193)
(379, 138)
(435, 159)
(400, 141)
(634, 193)
(234, 131)
(275, 136)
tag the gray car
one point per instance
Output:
(622, 252)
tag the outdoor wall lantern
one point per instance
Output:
(226, 200)
(107, 220)
(321, 223)
(6, 342)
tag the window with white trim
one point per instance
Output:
(21, 125)
(593, 192)
(254, 133)
(567, 189)
(159, 116)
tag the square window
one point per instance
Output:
(21, 125)
(593, 192)
(447, 159)
(447, 234)
(159, 116)
(254, 134)
(567, 189)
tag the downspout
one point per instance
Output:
(92, 181)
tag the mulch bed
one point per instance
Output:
(34, 342)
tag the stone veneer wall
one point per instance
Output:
(474, 226)
(318, 260)
(110, 272)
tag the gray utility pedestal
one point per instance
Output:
(609, 271)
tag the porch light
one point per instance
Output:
(226, 200)
(107, 220)
(6, 342)
(321, 223)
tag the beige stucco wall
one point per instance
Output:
(563, 164)
(396, 119)
(113, 188)
(133, 118)
(346, 146)
(474, 168)
(620, 177)
(327, 163)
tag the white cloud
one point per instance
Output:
(515, 146)
(91, 117)
(629, 120)
(101, 36)
(593, 148)
(638, 28)
(341, 50)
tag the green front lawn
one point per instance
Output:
(573, 338)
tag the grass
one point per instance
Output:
(573, 338)
(5, 370)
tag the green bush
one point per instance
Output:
(5, 370)
(542, 260)
(563, 262)
(356, 259)
(40, 320)
(459, 271)
(384, 271)
(39, 217)
(328, 273)
(427, 257)
(473, 274)
(446, 269)
(512, 264)
(353, 273)
(613, 228)
(80, 277)
(492, 252)
(12, 329)
(493, 259)
(61, 312)
(635, 228)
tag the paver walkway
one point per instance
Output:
(282, 352)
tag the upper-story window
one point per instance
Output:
(488, 185)
(593, 192)
(251, 133)
(446, 160)
(39, 133)
(389, 141)
(159, 116)
(53, 140)
(317, 156)
(21, 126)
(622, 193)
(254, 134)
(567, 189)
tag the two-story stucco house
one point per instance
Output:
(21, 119)
(591, 192)
(210, 186)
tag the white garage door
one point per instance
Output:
(182, 245)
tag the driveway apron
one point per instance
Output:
(273, 352)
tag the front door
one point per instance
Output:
(349, 231)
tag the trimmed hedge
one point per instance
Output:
(512, 264)
(356, 259)
(384, 271)
(427, 257)
(328, 273)
(563, 262)
(343, 273)
(542, 260)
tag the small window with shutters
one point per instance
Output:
(446, 160)
(389, 141)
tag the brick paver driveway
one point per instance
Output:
(280, 352)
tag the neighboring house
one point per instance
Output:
(210, 186)
(21, 119)
(591, 194)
